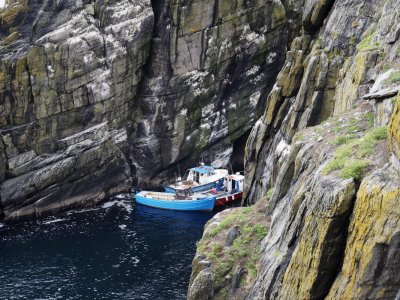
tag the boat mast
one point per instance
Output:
(179, 171)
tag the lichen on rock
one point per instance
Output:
(68, 69)
(372, 251)
(345, 86)
(394, 132)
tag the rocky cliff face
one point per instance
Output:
(326, 73)
(210, 64)
(96, 95)
(69, 76)
(325, 156)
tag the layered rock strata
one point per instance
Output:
(180, 82)
(328, 234)
(211, 63)
(325, 154)
(350, 56)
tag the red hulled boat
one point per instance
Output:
(231, 191)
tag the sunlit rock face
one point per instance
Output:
(347, 55)
(333, 234)
(79, 66)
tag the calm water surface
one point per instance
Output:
(114, 251)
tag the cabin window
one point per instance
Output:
(235, 185)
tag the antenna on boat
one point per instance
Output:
(179, 171)
(230, 166)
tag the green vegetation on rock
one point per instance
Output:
(268, 194)
(354, 169)
(393, 78)
(351, 158)
(234, 218)
(242, 253)
(371, 118)
(368, 43)
(343, 139)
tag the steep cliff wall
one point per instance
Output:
(69, 75)
(324, 73)
(312, 247)
(325, 155)
(210, 65)
(137, 86)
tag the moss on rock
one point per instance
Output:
(226, 262)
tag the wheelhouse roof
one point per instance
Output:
(203, 169)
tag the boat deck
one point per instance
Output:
(159, 195)
(171, 197)
(184, 185)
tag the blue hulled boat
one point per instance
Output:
(198, 179)
(181, 200)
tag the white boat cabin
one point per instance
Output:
(204, 174)
(235, 183)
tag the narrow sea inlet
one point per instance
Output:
(114, 251)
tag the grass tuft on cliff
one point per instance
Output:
(231, 219)
(352, 157)
(393, 78)
(244, 252)
(368, 43)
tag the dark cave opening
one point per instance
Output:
(235, 163)
(237, 158)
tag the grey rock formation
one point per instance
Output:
(233, 233)
(383, 94)
(179, 81)
(202, 286)
(236, 280)
(349, 58)
(210, 64)
(341, 63)
(89, 167)
(70, 72)
(325, 155)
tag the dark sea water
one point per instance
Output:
(114, 251)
